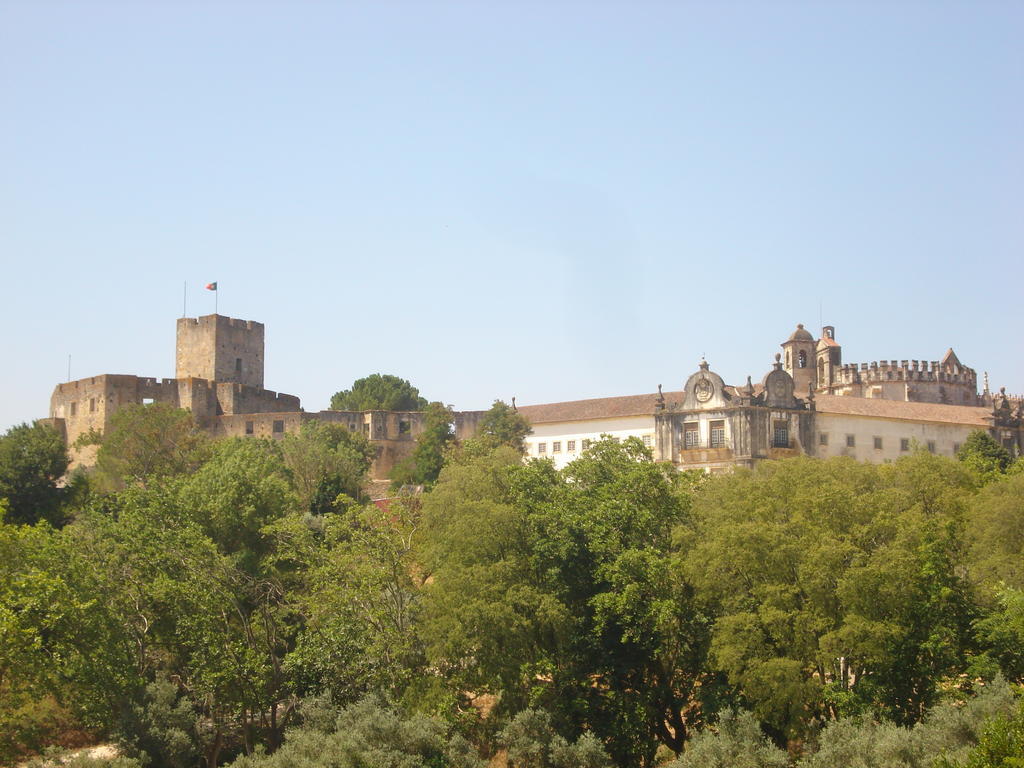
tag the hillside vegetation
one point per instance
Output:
(203, 603)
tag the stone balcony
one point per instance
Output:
(705, 455)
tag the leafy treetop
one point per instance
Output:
(379, 392)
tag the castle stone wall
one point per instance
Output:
(919, 381)
(222, 349)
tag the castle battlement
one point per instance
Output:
(223, 320)
(905, 370)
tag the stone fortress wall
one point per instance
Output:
(911, 380)
(221, 349)
(810, 403)
(219, 367)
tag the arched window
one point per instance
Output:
(802, 359)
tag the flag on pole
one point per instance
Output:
(211, 286)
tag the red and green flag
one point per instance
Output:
(211, 286)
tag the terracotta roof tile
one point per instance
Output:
(900, 409)
(598, 408)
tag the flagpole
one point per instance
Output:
(184, 299)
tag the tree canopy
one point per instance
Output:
(240, 600)
(379, 392)
(32, 461)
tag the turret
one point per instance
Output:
(798, 354)
(829, 358)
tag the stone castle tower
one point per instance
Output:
(221, 349)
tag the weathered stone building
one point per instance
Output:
(809, 403)
(219, 378)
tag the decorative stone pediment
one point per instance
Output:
(705, 390)
(778, 387)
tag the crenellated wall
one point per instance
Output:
(920, 381)
(219, 348)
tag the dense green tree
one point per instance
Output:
(356, 589)
(432, 445)
(982, 453)
(32, 460)
(150, 441)
(736, 741)
(326, 460)
(243, 487)
(947, 735)
(370, 734)
(559, 589)
(532, 743)
(995, 533)
(837, 585)
(503, 425)
(1001, 632)
(379, 392)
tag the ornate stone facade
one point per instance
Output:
(809, 403)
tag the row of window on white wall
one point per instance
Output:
(570, 445)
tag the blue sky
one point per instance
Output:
(549, 200)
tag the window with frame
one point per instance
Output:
(691, 435)
(956, 448)
(851, 441)
(647, 441)
(74, 408)
(780, 434)
(904, 443)
(570, 445)
(556, 446)
(585, 444)
(717, 429)
(823, 438)
(542, 448)
(878, 443)
(278, 425)
(931, 446)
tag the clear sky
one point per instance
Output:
(548, 200)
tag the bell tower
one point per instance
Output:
(798, 359)
(830, 359)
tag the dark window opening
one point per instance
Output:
(851, 441)
(278, 425)
(823, 438)
(404, 427)
(904, 443)
(780, 435)
(801, 360)
(238, 365)
(249, 429)
(878, 443)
